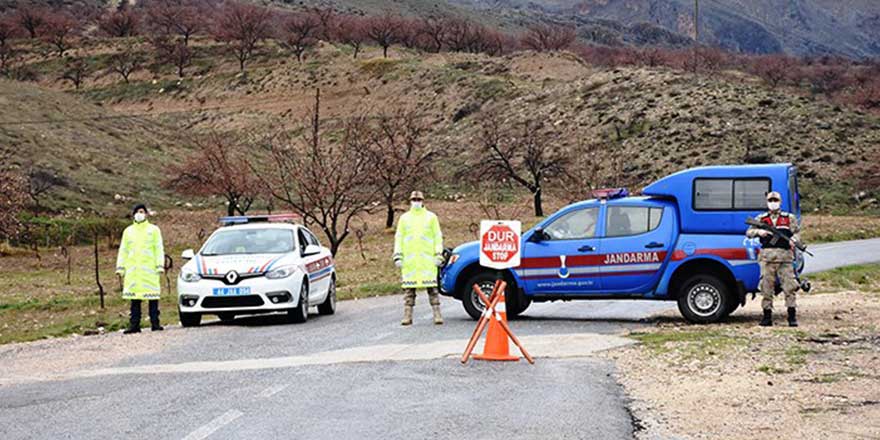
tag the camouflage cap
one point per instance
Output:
(417, 195)
(773, 195)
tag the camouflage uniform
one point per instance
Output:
(777, 260)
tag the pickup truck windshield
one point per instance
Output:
(249, 241)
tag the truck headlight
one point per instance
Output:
(189, 277)
(281, 272)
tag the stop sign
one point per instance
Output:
(500, 244)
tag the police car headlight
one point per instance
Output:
(189, 277)
(281, 272)
(453, 259)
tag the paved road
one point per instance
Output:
(356, 374)
(831, 255)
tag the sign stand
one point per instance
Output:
(500, 248)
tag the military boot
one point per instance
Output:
(792, 317)
(407, 315)
(132, 329)
(767, 321)
(438, 319)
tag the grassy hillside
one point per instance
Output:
(649, 121)
(94, 152)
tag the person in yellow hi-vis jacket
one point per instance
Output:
(140, 262)
(418, 252)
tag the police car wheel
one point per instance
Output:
(189, 319)
(300, 314)
(704, 299)
(328, 307)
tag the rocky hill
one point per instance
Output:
(802, 27)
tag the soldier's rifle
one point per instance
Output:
(777, 235)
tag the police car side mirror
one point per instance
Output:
(188, 254)
(538, 236)
(311, 250)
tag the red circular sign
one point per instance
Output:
(500, 244)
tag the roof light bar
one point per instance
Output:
(244, 219)
(610, 193)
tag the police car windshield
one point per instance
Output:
(249, 241)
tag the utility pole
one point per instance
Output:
(697, 21)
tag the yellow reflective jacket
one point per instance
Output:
(141, 257)
(418, 242)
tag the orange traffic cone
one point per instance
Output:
(497, 347)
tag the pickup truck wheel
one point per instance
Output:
(516, 302)
(704, 299)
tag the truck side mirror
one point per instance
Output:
(538, 236)
(188, 254)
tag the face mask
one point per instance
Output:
(140, 217)
(773, 206)
(417, 204)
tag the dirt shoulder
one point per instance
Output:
(737, 380)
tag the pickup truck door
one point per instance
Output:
(636, 242)
(565, 260)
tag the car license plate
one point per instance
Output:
(231, 291)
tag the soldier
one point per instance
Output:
(776, 259)
(140, 261)
(418, 252)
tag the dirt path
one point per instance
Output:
(737, 380)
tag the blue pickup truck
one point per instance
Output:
(682, 240)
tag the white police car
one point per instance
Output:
(257, 264)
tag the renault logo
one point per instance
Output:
(232, 277)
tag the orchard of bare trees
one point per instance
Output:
(247, 29)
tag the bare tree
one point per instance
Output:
(435, 29)
(40, 181)
(351, 31)
(32, 19)
(7, 55)
(396, 147)
(218, 167)
(8, 29)
(327, 21)
(126, 62)
(548, 37)
(59, 30)
(13, 198)
(523, 154)
(173, 51)
(120, 23)
(242, 27)
(183, 18)
(76, 70)
(459, 34)
(383, 30)
(773, 69)
(300, 33)
(308, 176)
